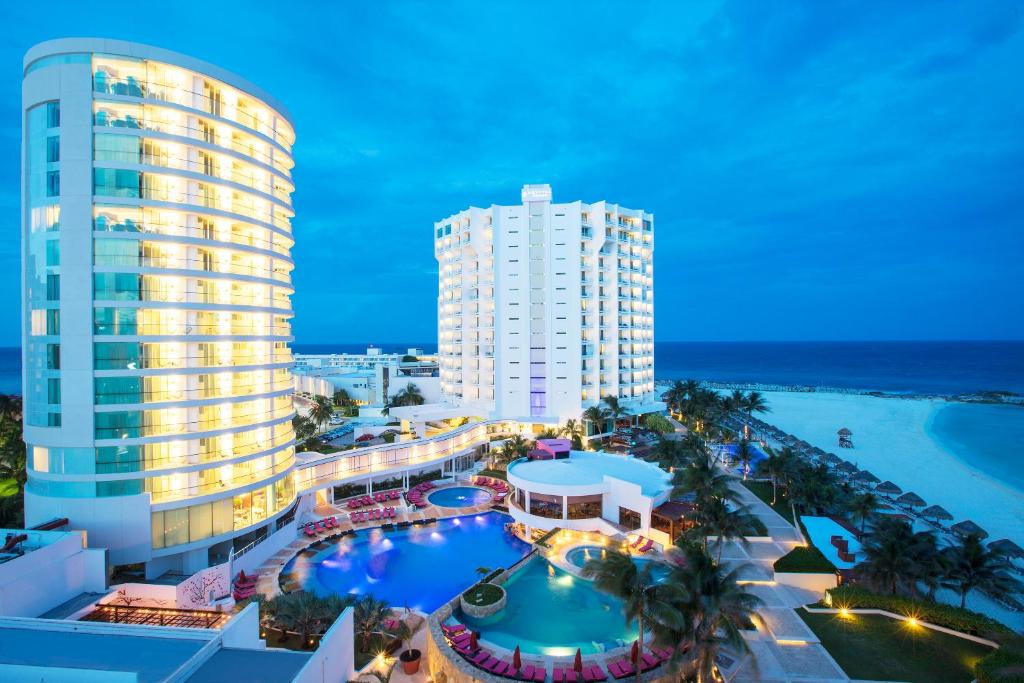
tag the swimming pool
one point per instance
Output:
(421, 567)
(821, 530)
(579, 555)
(459, 497)
(552, 612)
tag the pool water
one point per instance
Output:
(579, 555)
(421, 567)
(551, 612)
(821, 530)
(459, 497)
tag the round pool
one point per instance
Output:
(459, 497)
(579, 555)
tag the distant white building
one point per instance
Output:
(369, 378)
(543, 309)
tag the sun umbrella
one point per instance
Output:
(635, 652)
(968, 528)
(845, 432)
(832, 459)
(937, 512)
(517, 659)
(911, 499)
(473, 635)
(1005, 546)
(577, 664)
(847, 467)
(866, 477)
(888, 488)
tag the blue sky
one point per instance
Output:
(818, 170)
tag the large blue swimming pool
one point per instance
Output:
(421, 567)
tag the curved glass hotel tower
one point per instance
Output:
(156, 269)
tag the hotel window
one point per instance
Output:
(629, 518)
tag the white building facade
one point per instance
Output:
(156, 271)
(545, 308)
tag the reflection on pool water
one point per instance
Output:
(421, 567)
(459, 497)
(552, 612)
(579, 555)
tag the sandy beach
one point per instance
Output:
(893, 439)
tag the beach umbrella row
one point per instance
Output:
(866, 477)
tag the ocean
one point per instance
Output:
(934, 368)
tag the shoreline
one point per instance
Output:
(983, 397)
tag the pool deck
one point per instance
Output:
(269, 583)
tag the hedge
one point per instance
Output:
(988, 668)
(963, 620)
(483, 594)
(804, 560)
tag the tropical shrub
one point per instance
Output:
(658, 423)
(1002, 666)
(956, 618)
(804, 560)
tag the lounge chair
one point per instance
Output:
(309, 531)
(637, 542)
(488, 661)
(596, 673)
(646, 547)
(531, 672)
(499, 667)
(648, 661)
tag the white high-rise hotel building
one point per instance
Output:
(544, 308)
(156, 270)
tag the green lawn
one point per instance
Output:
(8, 487)
(878, 648)
(763, 490)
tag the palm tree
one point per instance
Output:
(342, 399)
(644, 599)
(886, 562)
(745, 454)
(573, 430)
(301, 612)
(615, 409)
(971, 565)
(674, 396)
(863, 507)
(410, 395)
(716, 519)
(775, 466)
(705, 482)
(303, 427)
(754, 402)
(10, 407)
(321, 411)
(515, 447)
(368, 617)
(717, 606)
(597, 416)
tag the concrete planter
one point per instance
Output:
(481, 611)
(814, 582)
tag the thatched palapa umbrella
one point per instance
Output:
(911, 499)
(866, 477)
(832, 459)
(846, 467)
(844, 432)
(1006, 547)
(936, 512)
(966, 528)
(887, 488)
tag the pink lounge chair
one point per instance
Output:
(597, 673)
(499, 667)
(648, 661)
(624, 667)
(638, 541)
(489, 660)
(481, 657)
(309, 531)
(529, 672)
(457, 628)
(646, 547)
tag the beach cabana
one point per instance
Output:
(911, 499)
(936, 512)
(846, 467)
(845, 440)
(887, 488)
(1006, 548)
(967, 528)
(866, 477)
(832, 459)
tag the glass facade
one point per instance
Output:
(190, 267)
(42, 265)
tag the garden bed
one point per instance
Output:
(804, 560)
